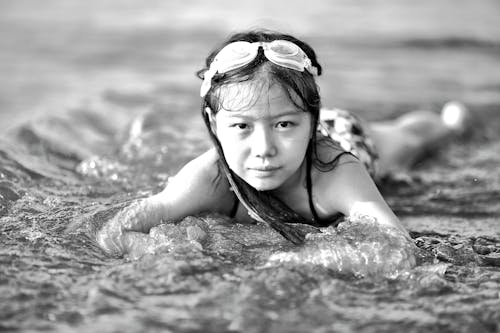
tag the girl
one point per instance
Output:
(277, 157)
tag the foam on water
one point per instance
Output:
(359, 246)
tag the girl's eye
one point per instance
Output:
(284, 124)
(240, 126)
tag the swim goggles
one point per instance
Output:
(238, 54)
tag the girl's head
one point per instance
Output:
(263, 109)
(300, 84)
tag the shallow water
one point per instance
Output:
(89, 128)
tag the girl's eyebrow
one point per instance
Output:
(283, 114)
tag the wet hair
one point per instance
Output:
(302, 90)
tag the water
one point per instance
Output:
(79, 78)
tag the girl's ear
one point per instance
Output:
(211, 118)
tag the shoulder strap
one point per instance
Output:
(316, 218)
(234, 209)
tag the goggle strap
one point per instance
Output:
(310, 68)
(207, 79)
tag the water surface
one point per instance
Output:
(76, 76)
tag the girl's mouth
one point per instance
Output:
(265, 168)
(263, 172)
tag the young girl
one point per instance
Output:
(278, 158)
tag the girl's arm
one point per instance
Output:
(350, 190)
(192, 191)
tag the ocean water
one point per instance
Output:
(99, 106)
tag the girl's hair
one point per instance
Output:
(301, 89)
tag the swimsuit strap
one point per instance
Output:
(234, 209)
(336, 219)
(316, 218)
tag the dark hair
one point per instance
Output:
(302, 90)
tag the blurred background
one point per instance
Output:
(378, 55)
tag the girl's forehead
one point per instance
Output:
(259, 96)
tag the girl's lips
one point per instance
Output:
(264, 172)
(266, 168)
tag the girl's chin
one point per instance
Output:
(260, 185)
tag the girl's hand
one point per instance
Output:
(111, 237)
(114, 237)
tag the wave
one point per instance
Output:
(451, 42)
(427, 43)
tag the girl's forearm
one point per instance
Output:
(380, 212)
(142, 215)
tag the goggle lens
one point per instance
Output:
(238, 54)
(284, 48)
(233, 56)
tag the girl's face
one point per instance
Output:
(264, 140)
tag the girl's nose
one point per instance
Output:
(263, 143)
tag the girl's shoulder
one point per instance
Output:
(206, 161)
(329, 153)
(347, 181)
(202, 170)
(200, 185)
